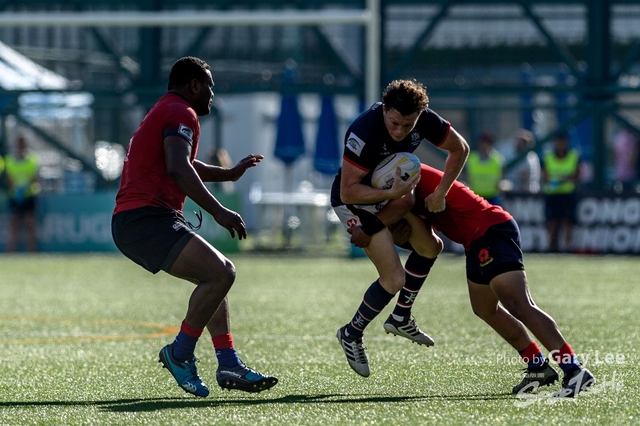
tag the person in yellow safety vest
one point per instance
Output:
(560, 173)
(484, 170)
(21, 172)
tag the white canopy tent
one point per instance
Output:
(17, 72)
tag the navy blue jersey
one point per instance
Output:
(367, 142)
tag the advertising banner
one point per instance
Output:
(82, 223)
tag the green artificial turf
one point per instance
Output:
(81, 336)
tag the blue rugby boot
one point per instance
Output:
(244, 378)
(185, 373)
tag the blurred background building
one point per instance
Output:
(78, 86)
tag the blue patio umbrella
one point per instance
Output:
(526, 99)
(289, 139)
(326, 159)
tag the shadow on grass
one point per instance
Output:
(158, 404)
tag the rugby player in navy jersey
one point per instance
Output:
(400, 123)
(496, 279)
(160, 171)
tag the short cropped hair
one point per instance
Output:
(406, 96)
(186, 69)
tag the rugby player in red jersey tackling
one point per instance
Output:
(496, 279)
(148, 226)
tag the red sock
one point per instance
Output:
(566, 358)
(225, 352)
(223, 341)
(190, 330)
(532, 355)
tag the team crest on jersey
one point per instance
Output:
(185, 131)
(415, 136)
(355, 144)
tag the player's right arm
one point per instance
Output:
(458, 152)
(177, 157)
(353, 191)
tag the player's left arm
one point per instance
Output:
(211, 173)
(458, 152)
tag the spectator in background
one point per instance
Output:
(21, 172)
(484, 169)
(524, 175)
(560, 172)
(625, 150)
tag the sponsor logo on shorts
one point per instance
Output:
(352, 222)
(484, 257)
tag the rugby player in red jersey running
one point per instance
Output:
(496, 278)
(160, 171)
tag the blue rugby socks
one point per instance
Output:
(185, 343)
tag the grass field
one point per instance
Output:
(81, 336)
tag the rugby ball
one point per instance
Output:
(385, 172)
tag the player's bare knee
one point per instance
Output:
(393, 283)
(228, 274)
(428, 247)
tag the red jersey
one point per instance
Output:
(145, 180)
(466, 217)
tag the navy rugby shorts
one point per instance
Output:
(151, 236)
(496, 252)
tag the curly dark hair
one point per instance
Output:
(186, 69)
(406, 96)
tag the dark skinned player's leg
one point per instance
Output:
(220, 329)
(484, 303)
(219, 323)
(512, 290)
(213, 274)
